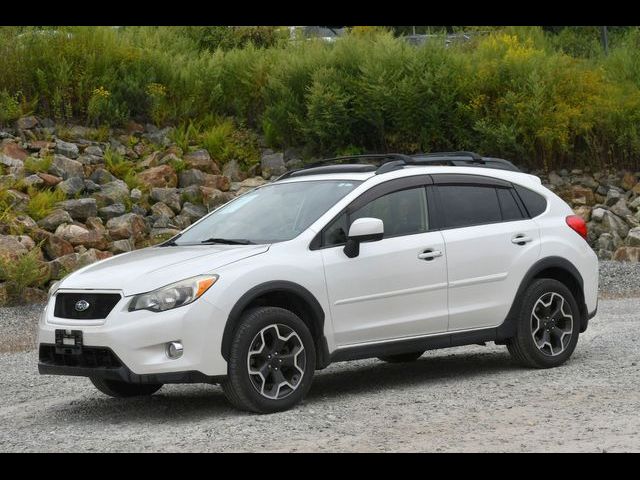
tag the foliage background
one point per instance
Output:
(542, 97)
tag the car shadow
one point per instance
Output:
(180, 403)
(428, 371)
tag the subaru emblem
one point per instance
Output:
(82, 305)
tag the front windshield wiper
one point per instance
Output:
(228, 241)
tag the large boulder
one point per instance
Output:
(10, 248)
(56, 247)
(70, 231)
(627, 254)
(160, 176)
(64, 167)
(190, 177)
(80, 209)
(67, 149)
(97, 239)
(116, 191)
(15, 151)
(112, 211)
(102, 176)
(71, 186)
(27, 123)
(213, 198)
(193, 212)
(161, 209)
(129, 225)
(48, 179)
(633, 237)
(232, 170)
(169, 196)
(221, 182)
(272, 164)
(201, 160)
(582, 196)
(55, 219)
(628, 181)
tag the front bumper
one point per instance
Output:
(138, 340)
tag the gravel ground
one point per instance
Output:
(462, 399)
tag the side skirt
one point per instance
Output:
(415, 345)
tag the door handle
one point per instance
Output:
(521, 239)
(429, 254)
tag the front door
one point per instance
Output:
(396, 287)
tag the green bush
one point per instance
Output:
(42, 203)
(27, 271)
(540, 98)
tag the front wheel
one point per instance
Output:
(114, 388)
(271, 361)
(547, 325)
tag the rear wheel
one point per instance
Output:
(547, 325)
(271, 362)
(402, 357)
(114, 388)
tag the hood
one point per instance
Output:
(150, 268)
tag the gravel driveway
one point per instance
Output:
(461, 399)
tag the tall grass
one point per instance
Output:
(540, 99)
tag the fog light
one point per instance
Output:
(174, 350)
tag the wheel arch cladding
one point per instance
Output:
(557, 268)
(287, 295)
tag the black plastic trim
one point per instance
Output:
(508, 327)
(124, 374)
(275, 286)
(467, 179)
(434, 342)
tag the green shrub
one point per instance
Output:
(42, 203)
(541, 98)
(35, 165)
(9, 107)
(27, 271)
(224, 141)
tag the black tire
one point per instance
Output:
(523, 347)
(115, 388)
(239, 387)
(402, 357)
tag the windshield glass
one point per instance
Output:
(273, 213)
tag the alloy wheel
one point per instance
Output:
(276, 361)
(552, 324)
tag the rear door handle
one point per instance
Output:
(429, 254)
(521, 239)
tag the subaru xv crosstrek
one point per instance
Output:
(381, 256)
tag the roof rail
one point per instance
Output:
(397, 161)
(322, 166)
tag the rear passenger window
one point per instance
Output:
(534, 202)
(508, 204)
(465, 205)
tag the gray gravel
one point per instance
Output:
(463, 399)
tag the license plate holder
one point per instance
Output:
(69, 342)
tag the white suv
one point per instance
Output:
(328, 263)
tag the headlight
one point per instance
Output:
(173, 295)
(53, 289)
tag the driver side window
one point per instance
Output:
(403, 212)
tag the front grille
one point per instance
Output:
(100, 305)
(90, 357)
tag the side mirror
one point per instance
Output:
(363, 230)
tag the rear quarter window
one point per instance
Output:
(533, 202)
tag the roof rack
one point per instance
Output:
(336, 165)
(397, 161)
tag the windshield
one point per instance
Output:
(273, 213)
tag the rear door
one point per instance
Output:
(490, 243)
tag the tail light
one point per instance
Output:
(578, 225)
